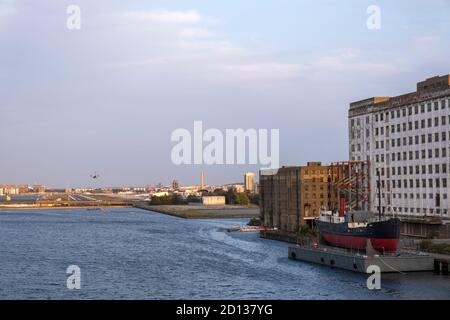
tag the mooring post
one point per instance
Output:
(437, 266)
(444, 267)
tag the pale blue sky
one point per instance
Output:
(107, 97)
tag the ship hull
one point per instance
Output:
(384, 235)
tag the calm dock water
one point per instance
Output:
(129, 253)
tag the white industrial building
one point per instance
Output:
(406, 138)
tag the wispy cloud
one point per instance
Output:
(351, 60)
(165, 16)
(7, 10)
(129, 76)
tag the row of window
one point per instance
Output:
(417, 210)
(419, 196)
(405, 111)
(415, 183)
(442, 136)
(420, 183)
(413, 155)
(409, 126)
(429, 107)
(422, 139)
(418, 169)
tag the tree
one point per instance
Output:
(230, 197)
(193, 198)
(242, 199)
(254, 198)
(173, 199)
(155, 200)
(176, 199)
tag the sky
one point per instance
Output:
(106, 98)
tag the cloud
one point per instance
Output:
(263, 70)
(7, 10)
(427, 44)
(165, 16)
(351, 60)
(107, 96)
(196, 33)
(184, 44)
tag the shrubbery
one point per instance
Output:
(231, 197)
(429, 246)
(173, 199)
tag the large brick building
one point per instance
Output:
(293, 196)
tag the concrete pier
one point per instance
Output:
(441, 264)
(343, 259)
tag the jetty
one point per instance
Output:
(361, 261)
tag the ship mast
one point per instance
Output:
(379, 192)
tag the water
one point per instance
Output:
(22, 198)
(134, 254)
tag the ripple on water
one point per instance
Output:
(134, 254)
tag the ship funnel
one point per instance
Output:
(341, 207)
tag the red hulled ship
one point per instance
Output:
(353, 229)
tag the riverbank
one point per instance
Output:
(44, 205)
(20, 208)
(202, 212)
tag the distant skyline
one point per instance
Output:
(106, 98)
